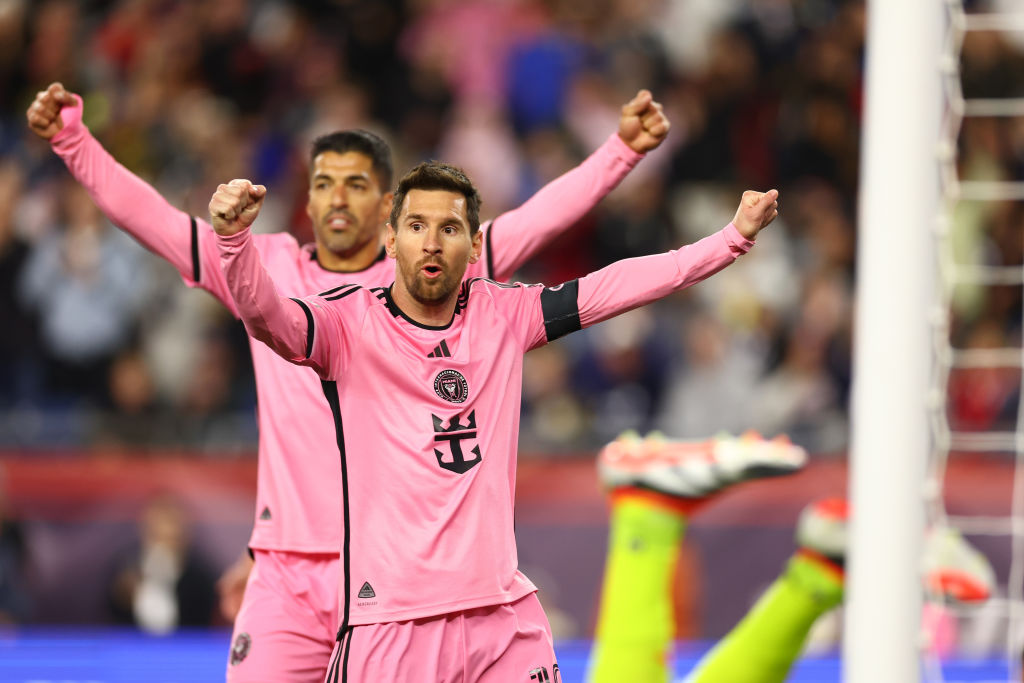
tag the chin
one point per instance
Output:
(428, 295)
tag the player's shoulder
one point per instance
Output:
(483, 284)
(347, 297)
(278, 240)
(277, 248)
(481, 288)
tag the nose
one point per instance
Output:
(339, 198)
(432, 242)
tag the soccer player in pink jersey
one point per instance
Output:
(286, 626)
(424, 378)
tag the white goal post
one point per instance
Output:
(898, 208)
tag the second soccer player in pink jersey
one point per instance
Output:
(285, 628)
(427, 441)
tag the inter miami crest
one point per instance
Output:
(240, 648)
(451, 386)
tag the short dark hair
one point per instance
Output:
(363, 142)
(437, 175)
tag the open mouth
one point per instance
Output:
(338, 222)
(431, 270)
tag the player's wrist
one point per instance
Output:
(73, 128)
(623, 150)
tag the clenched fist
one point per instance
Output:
(235, 206)
(43, 114)
(757, 209)
(643, 125)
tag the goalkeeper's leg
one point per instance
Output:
(654, 485)
(764, 645)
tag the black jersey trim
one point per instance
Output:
(490, 258)
(381, 255)
(561, 309)
(331, 392)
(310, 328)
(196, 272)
(399, 313)
(332, 290)
(342, 294)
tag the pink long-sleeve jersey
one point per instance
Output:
(298, 507)
(426, 419)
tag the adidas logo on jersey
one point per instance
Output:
(265, 515)
(440, 351)
(366, 591)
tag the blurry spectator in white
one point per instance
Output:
(86, 282)
(15, 604)
(710, 390)
(799, 397)
(687, 28)
(162, 584)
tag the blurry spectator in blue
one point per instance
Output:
(620, 374)
(87, 283)
(18, 341)
(161, 583)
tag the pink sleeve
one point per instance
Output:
(285, 325)
(138, 209)
(631, 283)
(515, 236)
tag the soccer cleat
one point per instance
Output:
(694, 469)
(953, 570)
(821, 529)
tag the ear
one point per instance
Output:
(478, 246)
(389, 241)
(385, 206)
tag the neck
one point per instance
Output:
(348, 262)
(432, 315)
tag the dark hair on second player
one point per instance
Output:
(437, 175)
(362, 141)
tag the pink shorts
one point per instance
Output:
(499, 644)
(288, 623)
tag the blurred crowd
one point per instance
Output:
(103, 345)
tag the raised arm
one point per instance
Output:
(630, 283)
(515, 236)
(128, 201)
(278, 322)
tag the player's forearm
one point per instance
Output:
(129, 202)
(517, 235)
(631, 283)
(278, 322)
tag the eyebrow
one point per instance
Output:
(351, 176)
(447, 221)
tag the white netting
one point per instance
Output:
(972, 194)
